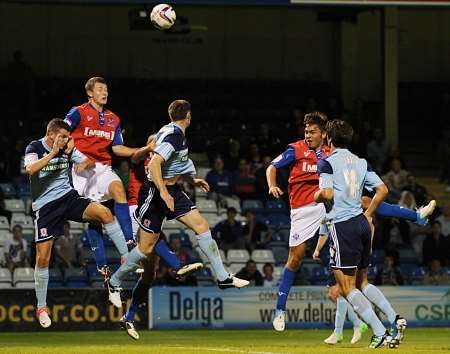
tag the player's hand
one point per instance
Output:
(316, 256)
(168, 200)
(151, 143)
(201, 183)
(58, 144)
(69, 146)
(276, 192)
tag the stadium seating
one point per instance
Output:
(416, 276)
(233, 203)
(213, 219)
(235, 268)
(278, 240)
(5, 278)
(76, 278)
(200, 193)
(263, 256)
(407, 256)
(15, 205)
(183, 237)
(4, 236)
(23, 275)
(205, 277)
(280, 254)
(278, 220)
(202, 172)
(23, 220)
(254, 205)
(277, 273)
(8, 190)
(319, 275)
(23, 190)
(4, 223)
(76, 226)
(206, 206)
(276, 206)
(112, 254)
(172, 226)
(237, 256)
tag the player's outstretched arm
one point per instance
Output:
(154, 168)
(381, 192)
(197, 182)
(123, 151)
(142, 153)
(271, 176)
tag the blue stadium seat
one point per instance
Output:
(280, 254)
(183, 237)
(319, 274)
(278, 240)
(24, 190)
(407, 256)
(254, 205)
(278, 220)
(75, 275)
(377, 256)
(112, 254)
(55, 275)
(78, 284)
(107, 242)
(8, 190)
(276, 206)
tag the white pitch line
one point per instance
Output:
(224, 350)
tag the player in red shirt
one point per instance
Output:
(96, 131)
(306, 214)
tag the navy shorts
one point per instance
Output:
(331, 278)
(51, 217)
(352, 243)
(152, 210)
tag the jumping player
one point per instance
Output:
(343, 176)
(96, 131)
(54, 201)
(162, 197)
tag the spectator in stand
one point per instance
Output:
(124, 172)
(269, 280)
(161, 275)
(254, 158)
(436, 275)
(69, 250)
(267, 144)
(378, 150)
(419, 191)
(396, 177)
(436, 246)
(251, 273)
(444, 219)
(389, 274)
(244, 181)
(404, 226)
(16, 250)
(229, 232)
(183, 255)
(220, 182)
(257, 235)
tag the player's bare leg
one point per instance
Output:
(41, 276)
(197, 223)
(296, 254)
(121, 209)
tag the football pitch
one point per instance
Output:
(426, 341)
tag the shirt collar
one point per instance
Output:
(46, 147)
(179, 126)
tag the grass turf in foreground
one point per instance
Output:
(427, 341)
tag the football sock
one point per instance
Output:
(341, 312)
(364, 309)
(209, 247)
(122, 212)
(116, 235)
(396, 211)
(131, 263)
(41, 284)
(377, 298)
(353, 317)
(163, 250)
(287, 279)
(95, 237)
(138, 297)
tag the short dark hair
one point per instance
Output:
(268, 265)
(231, 210)
(56, 124)
(179, 109)
(17, 226)
(340, 133)
(318, 118)
(89, 86)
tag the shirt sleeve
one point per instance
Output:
(73, 118)
(326, 174)
(285, 159)
(372, 179)
(77, 156)
(323, 231)
(31, 155)
(168, 145)
(118, 138)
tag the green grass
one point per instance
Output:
(426, 341)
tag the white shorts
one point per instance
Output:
(134, 223)
(305, 222)
(94, 183)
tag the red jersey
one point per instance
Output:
(94, 132)
(138, 175)
(303, 178)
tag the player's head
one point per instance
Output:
(55, 127)
(97, 90)
(180, 111)
(315, 123)
(339, 133)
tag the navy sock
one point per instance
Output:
(122, 212)
(95, 237)
(137, 298)
(396, 211)
(163, 250)
(287, 279)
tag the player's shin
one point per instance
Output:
(122, 212)
(353, 317)
(162, 250)
(341, 312)
(364, 309)
(209, 246)
(138, 297)
(116, 235)
(41, 284)
(396, 211)
(378, 299)
(95, 237)
(131, 263)
(287, 279)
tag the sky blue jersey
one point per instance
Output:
(347, 175)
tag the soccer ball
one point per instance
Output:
(163, 16)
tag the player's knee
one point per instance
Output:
(104, 215)
(201, 226)
(117, 191)
(42, 261)
(293, 264)
(333, 293)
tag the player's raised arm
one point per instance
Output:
(142, 153)
(33, 164)
(285, 159)
(81, 161)
(323, 237)
(373, 181)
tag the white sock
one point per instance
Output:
(364, 309)
(353, 317)
(116, 235)
(210, 249)
(377, 298)
(40, 285)
(341, 312)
